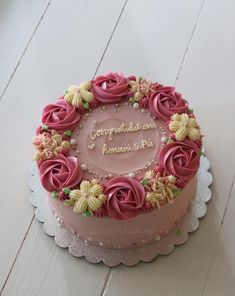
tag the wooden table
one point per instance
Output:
(47, 45)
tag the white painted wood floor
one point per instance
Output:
(48, 44)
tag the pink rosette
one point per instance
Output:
(163, 103)
(101, 212)
(60, 116)
(94, 103)
(60, 172)
(125, 197)
(180, 159)
(155, 88)
(147, 207)
(110, 88)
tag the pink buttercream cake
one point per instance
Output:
(118, 157)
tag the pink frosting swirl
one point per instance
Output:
(60, 172)
(155, 88)
(165, 103)
(110, 88)
(60, 116)
(180, 159)
(125, 197)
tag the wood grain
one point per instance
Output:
(207, 67)
(188, 41)
(60, 54)
(44, 269)
(151, 38)
(221, 274)
(18, 21)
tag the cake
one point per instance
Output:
(118, 157)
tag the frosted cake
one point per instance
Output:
(118, 157)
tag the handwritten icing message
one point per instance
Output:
(129, 148)
(123, 128)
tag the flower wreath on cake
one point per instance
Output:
(125, 196)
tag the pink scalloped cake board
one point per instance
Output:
(137, 231)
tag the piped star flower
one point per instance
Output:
(140, 88)
(162, 188)
(88, 199)
(184, 127)
(79, 96)
(48, 145)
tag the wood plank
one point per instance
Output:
(18, 20)
(151, 39)
(221, 276)
(42, 268)
(61, 53)
(207, 72)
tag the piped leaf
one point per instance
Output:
(45, 127)
(66, 190)
(144, 182)
(132, 100)
(87, 214)
(178, 232)
(201, 153)
(68, 133)
(55, 194)
(85, 105)
(176, 192)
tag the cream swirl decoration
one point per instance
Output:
(79, 96)
(88, 199)
(184, 127)
(140, 88)
(162, 189)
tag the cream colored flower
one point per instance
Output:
(149, 174)
(65, 145)
(38, 155)
(88, 198)
(79, 95)
(163, 188)
(57, 137)
(171, 179)
(49, 145)
(184, 127)
(140, 88)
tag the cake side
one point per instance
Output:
(140, 230)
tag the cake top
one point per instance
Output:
(117, 146)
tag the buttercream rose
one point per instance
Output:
(110, 88)
(125, 197)
(167, 102)
(60, 172)
(180, 159)
(60, 116)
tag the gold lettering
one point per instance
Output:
(93, 134)
(122, 128)
(105, 147)
(144, 144)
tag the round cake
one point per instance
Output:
(118, 157)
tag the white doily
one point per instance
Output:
(94, 254)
